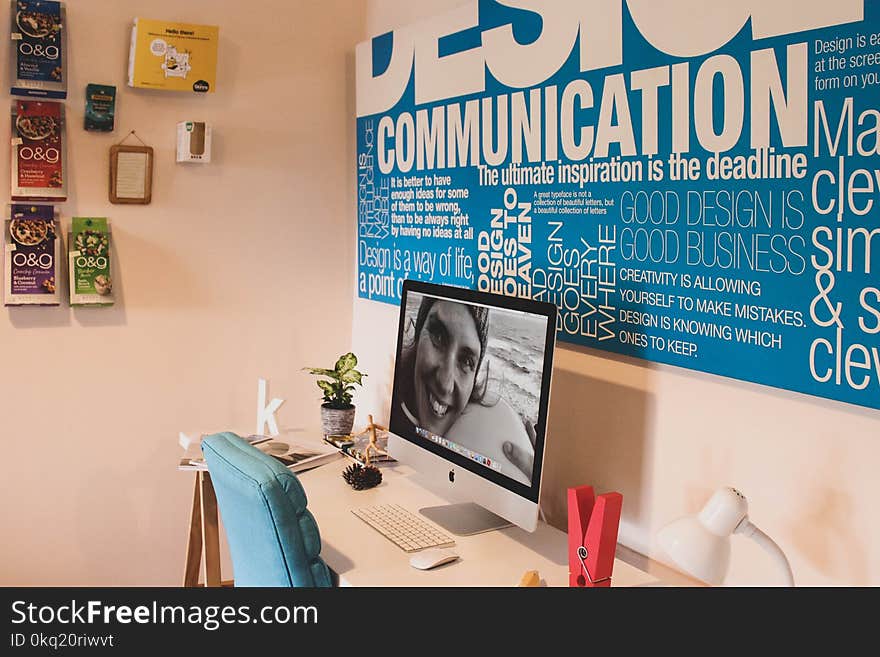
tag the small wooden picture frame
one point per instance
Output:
(131, 174)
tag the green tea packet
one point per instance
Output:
(89, 260)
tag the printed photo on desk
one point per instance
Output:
(466, 368)
(296, 456)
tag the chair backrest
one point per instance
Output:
(273, 539)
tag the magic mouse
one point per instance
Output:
(431, 558)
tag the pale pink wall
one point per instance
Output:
(667, 437)
(239, 269)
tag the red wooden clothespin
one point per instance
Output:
(592, 536)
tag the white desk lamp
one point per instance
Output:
(700, 545)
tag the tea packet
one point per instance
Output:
(89, 262)
(38, 59)
(100, 107)
(39, 159)
(32, 249)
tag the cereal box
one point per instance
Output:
(33, 246)
(38, 151)
(173, 56)
(89, 262)
(38, 60)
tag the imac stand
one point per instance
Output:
(464, 519)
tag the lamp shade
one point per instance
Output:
(700, 545)
(696, 550)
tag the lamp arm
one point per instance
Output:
(749, 530)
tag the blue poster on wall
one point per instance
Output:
(692, 183)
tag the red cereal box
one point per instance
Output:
(39, 161)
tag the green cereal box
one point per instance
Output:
(89, 259)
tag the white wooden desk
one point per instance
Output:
(363, 557)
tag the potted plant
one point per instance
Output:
(337, 411)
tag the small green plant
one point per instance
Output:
(342, 379)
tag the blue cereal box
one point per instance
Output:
(38, 60)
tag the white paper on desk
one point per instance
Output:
(131, 175)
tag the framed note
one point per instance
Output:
(131, 174)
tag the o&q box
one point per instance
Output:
(173, 56)
(38, 61)
(33, 245)
(89, 253)
(39, 156)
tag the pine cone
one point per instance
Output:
(361, 478)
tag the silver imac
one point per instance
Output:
(470, 399)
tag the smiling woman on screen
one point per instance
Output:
(449, 373)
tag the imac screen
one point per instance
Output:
(469, 379)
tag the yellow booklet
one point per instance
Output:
(173, 56)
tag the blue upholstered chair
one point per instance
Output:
(273, 539)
